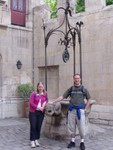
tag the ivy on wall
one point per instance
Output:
(80, 6)
(53, 7)
(109, 2)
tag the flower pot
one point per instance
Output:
(26, 108)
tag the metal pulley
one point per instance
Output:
(65, 55)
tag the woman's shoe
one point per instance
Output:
(37, 143)
(33, 144)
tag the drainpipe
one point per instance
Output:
(33, 48)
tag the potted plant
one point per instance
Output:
(25, 90)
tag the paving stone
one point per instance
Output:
(14, 135)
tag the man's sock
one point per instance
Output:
(82, 140)
(73, 140)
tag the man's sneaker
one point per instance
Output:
(82, 146)
(71, 144)
(37, 143)
(33, 144)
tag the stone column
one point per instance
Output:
(94, 5)
(62, 3)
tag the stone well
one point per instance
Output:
(55, 120)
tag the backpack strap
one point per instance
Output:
(34, 94)
(82, 89)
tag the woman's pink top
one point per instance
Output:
(35, 98)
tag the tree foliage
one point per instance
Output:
(53, 7)
(80, 6)
(109, 2)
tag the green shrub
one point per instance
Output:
(25, 90)
(109, 2)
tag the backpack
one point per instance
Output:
(82, 89)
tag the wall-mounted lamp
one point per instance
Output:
(19, 64)
(2, 2)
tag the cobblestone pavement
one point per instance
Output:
(14, 135)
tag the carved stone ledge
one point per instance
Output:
(53, 110)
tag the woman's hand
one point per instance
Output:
(41, 108)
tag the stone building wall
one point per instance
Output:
(15, 44)
(97, 62)
(27, 45)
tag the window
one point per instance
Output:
(18, 11)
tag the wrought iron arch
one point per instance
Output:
(69, 38)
